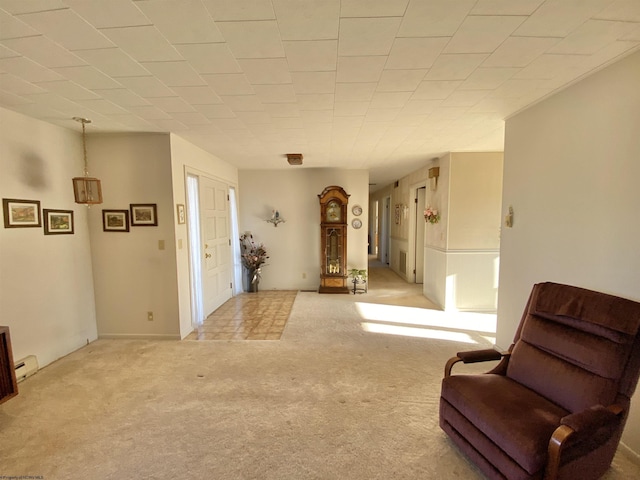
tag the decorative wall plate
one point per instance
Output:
(357, 210)
(356, 223)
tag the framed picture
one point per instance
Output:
(144, 215)
(180, 209)
(57, 222)
(115, 220)
(21, 213)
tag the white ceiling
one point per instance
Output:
(383, 85)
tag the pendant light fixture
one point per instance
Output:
(86, 190)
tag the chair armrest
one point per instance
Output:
(473, 356)
(578, 426)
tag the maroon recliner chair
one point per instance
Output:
(556, 404)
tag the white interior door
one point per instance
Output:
(215, 244)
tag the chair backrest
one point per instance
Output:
(576, 347)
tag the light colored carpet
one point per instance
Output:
(327, 401)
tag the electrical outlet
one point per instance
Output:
(150, 316)
(304, 275)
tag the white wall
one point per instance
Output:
(185, 156)
(294, 246)
(571, 174)
(46, 286)
(462, 250)
(132, 274)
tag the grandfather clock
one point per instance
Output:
(333, 240)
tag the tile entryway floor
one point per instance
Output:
(248, 316)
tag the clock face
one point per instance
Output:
(334, 212)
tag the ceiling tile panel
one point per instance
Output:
(111, 13)
(55, 102)
(312, 56)
(390, 99)
(14, 27)
(400, 80)
(229, 84)
(435, 89)
(505, 7)
(546, 66)
(147, 86)
(171, 125)
(591, 36)
(455, 67)
(43, 51)
(102, 106)
(233, 10)
(373, 8)
(482, 34)
(150, 112)
(243, 103)
(255, 118)
(275, 93)
(68, 29)
(198, 95)
(408, 53)
(314, 82)
(26, 6)
(191, 118)
(488, 78)
(88, 77)
(309, 20)
(558, 18)
(623, 10)
(175, 74)
(519, 51)
(209, 57)
(367, 36)
(143, 43)
(215, 111)
(171, 104)
(253, 39)
(436, 18)
(17, 86)
(121, 96)
(465, 98)
(315, 101)
(266, 71)
(181, 21)
(360, 69)
(69, 89)
(355, 91)
(113, 62)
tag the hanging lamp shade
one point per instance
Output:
(86, 190)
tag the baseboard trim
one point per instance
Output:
(137, 336)
(630, 454)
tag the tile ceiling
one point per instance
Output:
(383, 85)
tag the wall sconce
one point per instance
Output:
(276, 218)
(508, 219)
(434, 173)
(86, 190)
(294, 158)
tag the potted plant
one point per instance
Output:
(359, 278)
(253, 257)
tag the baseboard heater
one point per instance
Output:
(26, 367)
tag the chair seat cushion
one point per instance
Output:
(516, 419)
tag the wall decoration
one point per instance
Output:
(21, 213)
(115, 220)
(58, 222)
(181, 215)
(144, 215)
(397, 213)
(356, 210)
(356, 223)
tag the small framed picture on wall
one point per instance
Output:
(58, 222)
(144, 215)
(115, 220)
(21, 213)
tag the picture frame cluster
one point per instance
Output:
(138, 215)
(21, 213)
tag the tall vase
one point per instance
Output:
(251, 279)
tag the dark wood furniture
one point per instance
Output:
(8, 383)
(555, 406)
(333, 239)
